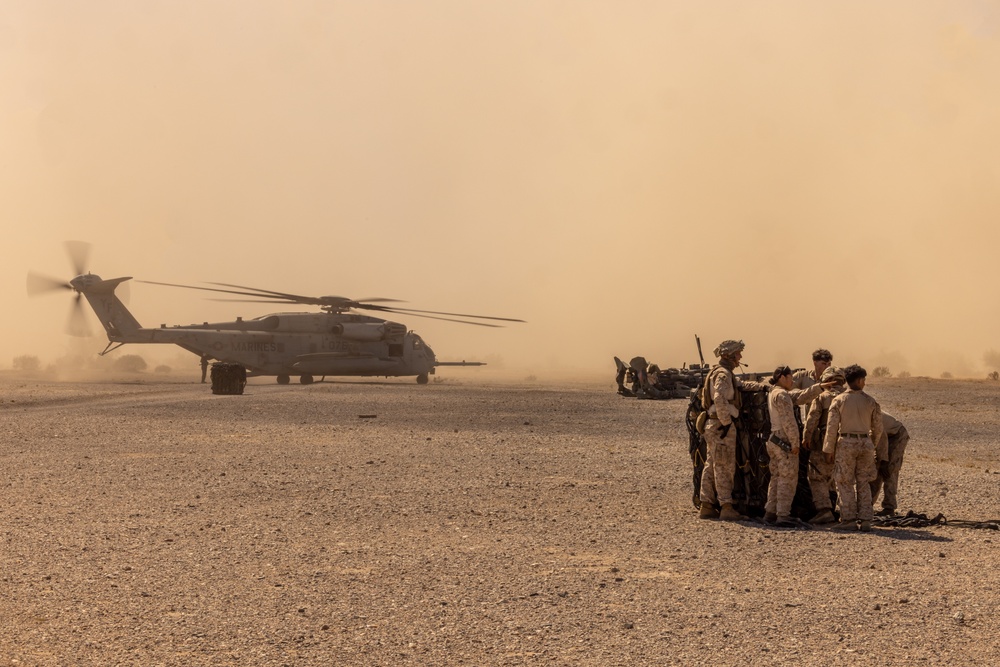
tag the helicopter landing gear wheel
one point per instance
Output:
(283, 379)
(306, 379)
(422, 378)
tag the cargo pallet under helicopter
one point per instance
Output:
(334, 342)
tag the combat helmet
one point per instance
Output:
(728, 348)
(833, 374)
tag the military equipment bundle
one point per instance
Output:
(753, 429)
(228, 378)
(642, 380)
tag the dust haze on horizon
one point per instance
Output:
(622, 175)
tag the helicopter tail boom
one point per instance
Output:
(114, 316)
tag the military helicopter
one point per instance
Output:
(334, 342)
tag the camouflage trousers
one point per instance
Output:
(897, 447)
(720, 464)
(784, 468)
(853, 470)
(820, 476)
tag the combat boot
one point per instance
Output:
(708, 511)
(845, 525)
(866, 526)
(727, 513)
(824, 516)
(786, 522)
(770, 518)
(886, 511)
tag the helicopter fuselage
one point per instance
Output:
(303, 344)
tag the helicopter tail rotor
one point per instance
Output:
(37, 284)
(77, 324)
(79, 253)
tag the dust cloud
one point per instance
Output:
(623, 175)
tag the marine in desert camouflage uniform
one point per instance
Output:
(649, 382)
(889, 450)
(622, 375)
(820, 471)
(803, 379)
(722, 389)
(855, 424)
(784, 465)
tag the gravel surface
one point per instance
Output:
(153, 523)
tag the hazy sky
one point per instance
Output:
(622, 175)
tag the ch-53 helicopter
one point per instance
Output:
(333, 342)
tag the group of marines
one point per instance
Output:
(854, 447)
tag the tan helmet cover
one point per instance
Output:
(729, 347)
(833, 374)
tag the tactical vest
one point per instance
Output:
(824, 418)
(706, 388)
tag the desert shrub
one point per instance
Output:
(130, 363)
(995, 375)
(531, 378)
(881, 372)
(162, 368)
(903, 374)
(26, 362)
(946, 375)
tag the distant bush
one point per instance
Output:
(162, 368)
(531, 378)
(995, 375)
(946, 375)
(130, 363)
(881, 372)
(27, 363)
(903, 374)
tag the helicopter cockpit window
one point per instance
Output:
(417, 343)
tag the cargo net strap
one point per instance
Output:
(914, 520)
(753, 427)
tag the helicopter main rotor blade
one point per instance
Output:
(311, 299)
(78, 251)
(212, 289)
(77, 325)
(339, 303)
(39, 284)
(444, 319)
(283, 302)
(267, 292)
(379, 299)
(434, 312)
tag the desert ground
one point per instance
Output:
(146, 521)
